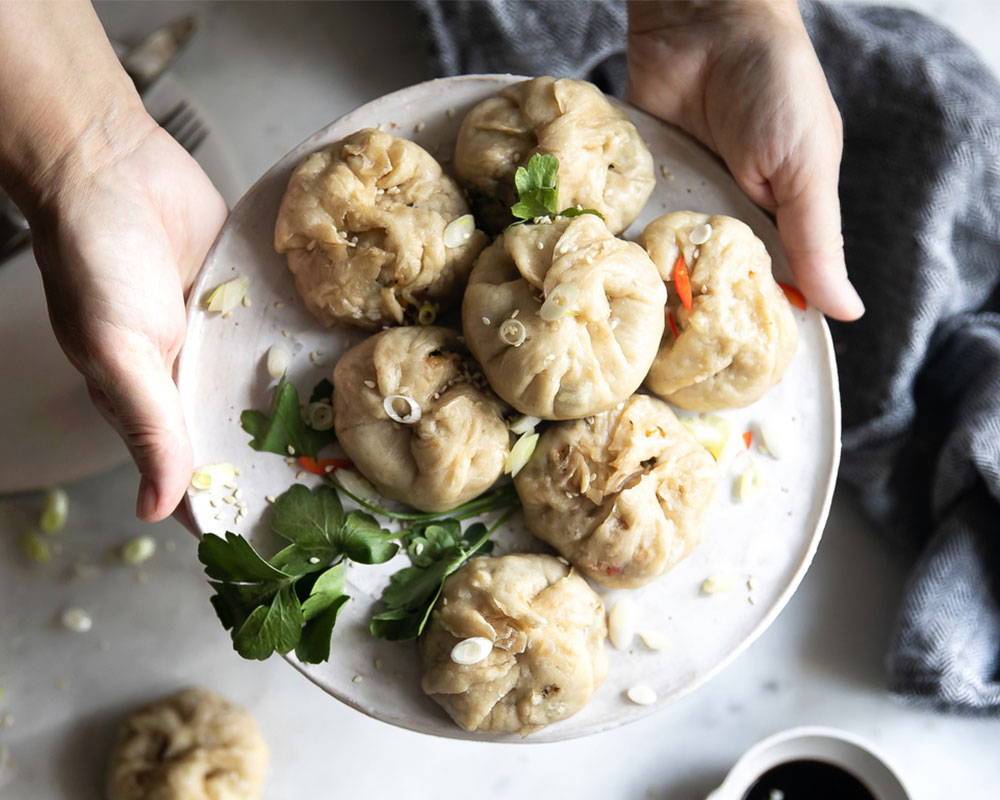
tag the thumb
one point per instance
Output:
(143, 404)
(809, 226)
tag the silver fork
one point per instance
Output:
(183, 124)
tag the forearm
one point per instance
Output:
(67, 105)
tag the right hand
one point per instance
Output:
(119, 241)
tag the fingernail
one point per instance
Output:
(146, 502)
(855, 305)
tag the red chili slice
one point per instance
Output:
(748, 439)
(323, 466)
(673, 325)
(682, 281)
(795, 297)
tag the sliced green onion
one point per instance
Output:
(520, 454)
(35, 548)
(319, 416)
(523, 424)
(459, 231)
(212, 476)
(55, 511)
(711, 431)
(226, 296)
(559, 302)
(427, 314)
(139, 549)
(513, 332)
(748, 483)
(717, 584)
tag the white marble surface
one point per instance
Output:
(270, 74)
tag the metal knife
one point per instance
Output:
(148, 60)
(144, 63)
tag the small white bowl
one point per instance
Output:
(833, 746)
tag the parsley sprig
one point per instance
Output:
(436, 550)
(291, 601)
(284, 427)
(537, 187)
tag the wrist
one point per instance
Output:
(67, 104)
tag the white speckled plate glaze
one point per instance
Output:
(768, 541)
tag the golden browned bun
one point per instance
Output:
(590, 307)
(739, 336)
(547, 657)
(194, 745)
(363, 222)
(620, 494)
(454, 451)
(603, 162)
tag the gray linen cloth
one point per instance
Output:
(920, 373)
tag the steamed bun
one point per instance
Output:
(740, 334)
(547, 628)
(453, 452)
(590, 307)
(194, 745)
(620, 494)
(603, 162)
(362, 223)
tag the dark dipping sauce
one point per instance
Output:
(808, 780)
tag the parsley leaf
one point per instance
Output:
(537, 187)
(573, 211)
(437, 549)
(315, 523)
(292, 600)
(284, 427)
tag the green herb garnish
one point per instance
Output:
(292, 600)
(283, 431)
(537, 187)
(436, 550)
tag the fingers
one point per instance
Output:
(809, 226)
(142, 402)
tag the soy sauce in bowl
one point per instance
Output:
(808, 780)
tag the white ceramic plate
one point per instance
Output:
(769, 541)
(50, 430)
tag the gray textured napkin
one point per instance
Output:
(920, 373)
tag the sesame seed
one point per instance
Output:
(279, 303)
(291, 450)
(300, 475)
(269, 498)
(226, 314)
(486, 320)
(370, 384)
(357, 679)
(419, 126)
(246, 302)
(451, 113)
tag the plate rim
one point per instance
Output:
(832, 466)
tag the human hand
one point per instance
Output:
(119, 243)
(743, 78)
